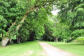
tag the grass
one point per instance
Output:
(27, 49)
(77, 49)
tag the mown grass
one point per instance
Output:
(22, 49)
(77, 49)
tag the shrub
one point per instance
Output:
(80, 40)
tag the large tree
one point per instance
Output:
(15, 12)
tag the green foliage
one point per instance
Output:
(78, 33)
(35, 22)
(24, 33)
(3, 25)
(72, 15)
(66, 24)
(3, 22)
(80, 40)
(80, 11)
(61, 31)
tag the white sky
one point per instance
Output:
(55, 12)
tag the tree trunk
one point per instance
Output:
(55, 39)
(4, 41)
(18, 40)
(10, 41)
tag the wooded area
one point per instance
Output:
(28, 20)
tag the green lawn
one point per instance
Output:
(27, 49)
(77, 49)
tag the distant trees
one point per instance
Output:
(68, 24)
(71, 16)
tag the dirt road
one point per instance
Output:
(53, 51)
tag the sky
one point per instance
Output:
(55, 12)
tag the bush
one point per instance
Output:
(80, 40)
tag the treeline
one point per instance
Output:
(71, 19)
(69, 23)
